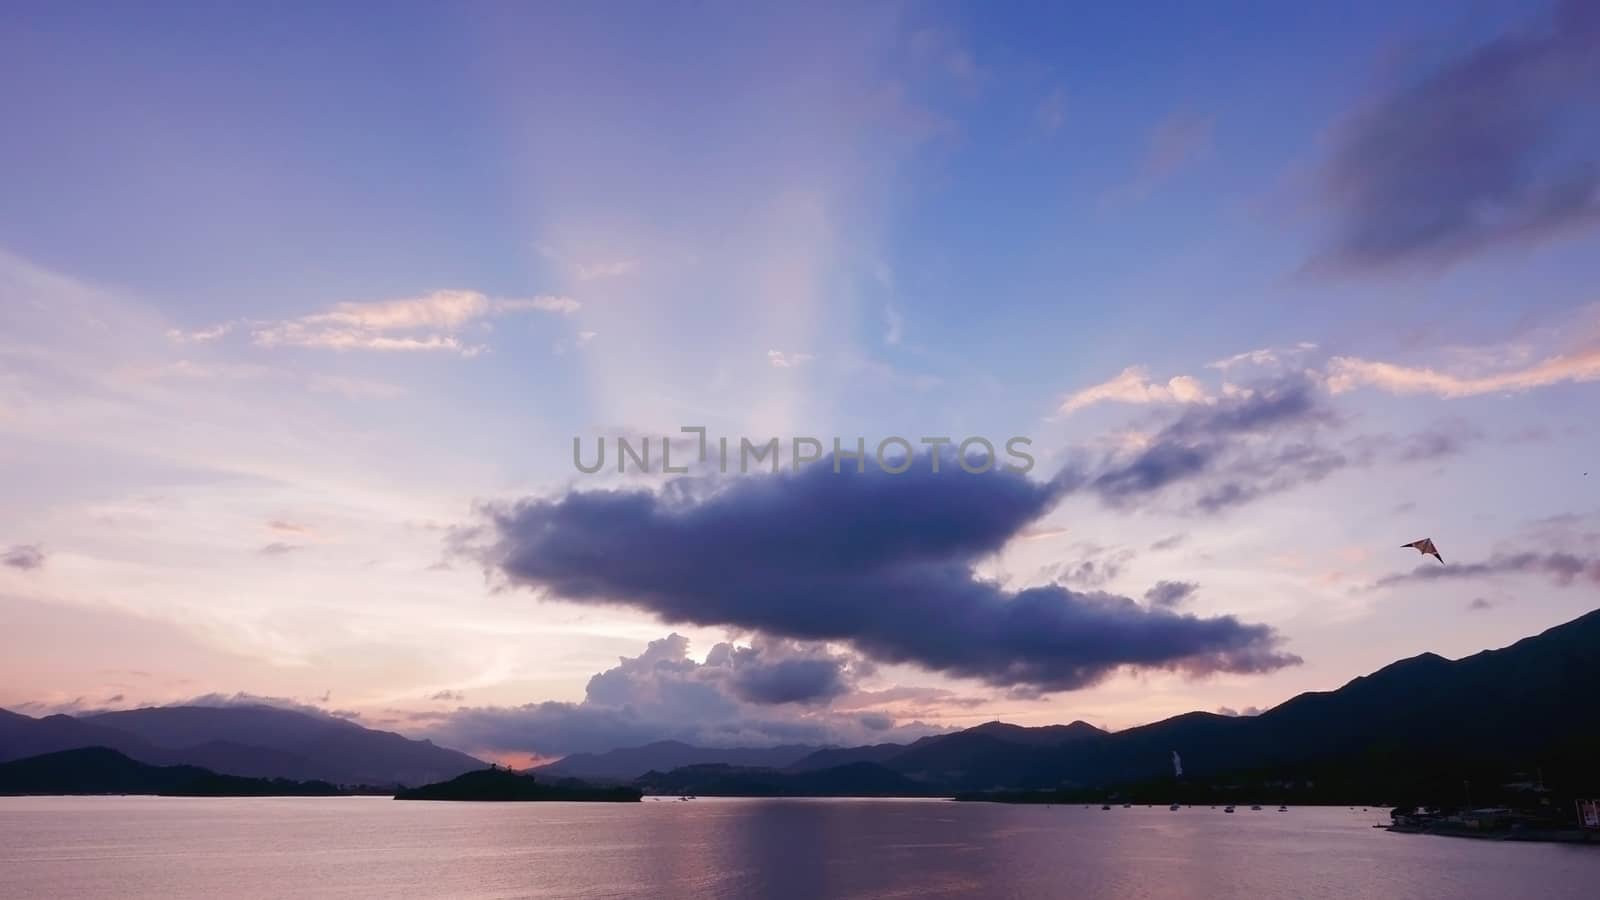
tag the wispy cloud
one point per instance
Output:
(429, 323)
(778, 359)
(1563, 569)
(1346, 373)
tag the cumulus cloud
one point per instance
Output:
(772, 691)
(1169, 594)
(1134, 386)
(26, 557)
(432, 322)
(1231, 712)
(884, 562)
(1494, 147)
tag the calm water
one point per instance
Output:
(373, 847)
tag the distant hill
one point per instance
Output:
(253, 741)
(628, 763)
(503, 785)
(860, 779)
(101, 770)
(829, 757)
(990, 755)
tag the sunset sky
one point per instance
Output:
(302, 309)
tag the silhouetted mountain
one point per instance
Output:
(1420, 724)
(255, 741)
(101, 770)
(627, 763)
(860, 779)
(994, 754)
(829, 757)
(1533, 704)
(501, 785)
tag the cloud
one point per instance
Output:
(1134, 386)
(769, 692)
(448, 696)
(1099, 567)
(279, 548)
(1231, 712)
(26, 557)
(1442, 439)
(287, 527)
(1494, 147)
(1169, 594)
(893, 326)
(242, 698)
(1479, 604)
(1267, 356)
(1346, 373)
(427, 323)
(883, 562)
(1562, 568)
(201, 335)
(1170, 542)
(1230, 450)
(780, 360)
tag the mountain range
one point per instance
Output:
(1531, 707)
(100, 770)
(254, 741)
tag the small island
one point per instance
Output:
(495, 784)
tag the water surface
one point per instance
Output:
(376, 847)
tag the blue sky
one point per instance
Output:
(288, 295)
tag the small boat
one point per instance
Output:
(1105, 807)
(1127, 806)
(1227, 809)
(1283, 809)
(1173, 807)
(1256, 808)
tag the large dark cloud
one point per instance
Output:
(1497, 146)
(885, 562)
(23, 556)
(773, 691)
(1561, 567)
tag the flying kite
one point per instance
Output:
(1426, 548)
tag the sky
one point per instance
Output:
(304, 310)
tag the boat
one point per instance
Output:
(1105, 807)
(1227, 809)
(1173, 807)
(1256, 808)
(1283, 809)
(1127, 806)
